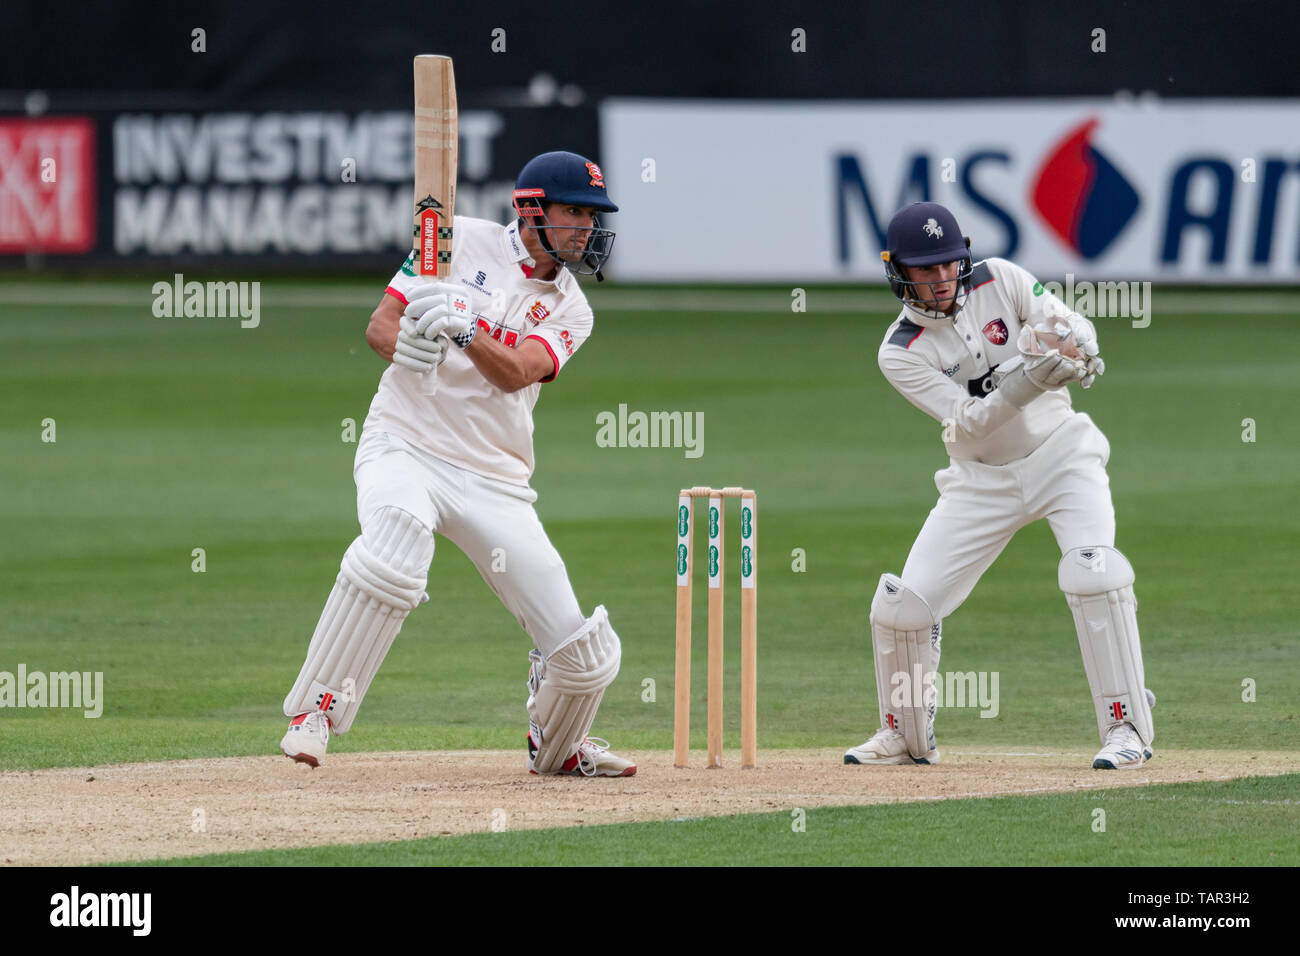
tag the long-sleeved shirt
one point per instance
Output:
(944, 367)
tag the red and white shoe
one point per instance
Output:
(307, 738)
(592, 759)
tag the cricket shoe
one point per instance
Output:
(1123, 750)
(889, 746)
(307, 738)
(592, 759)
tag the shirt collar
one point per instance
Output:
(515, 249)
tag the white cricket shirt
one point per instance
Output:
(943, 367)
(468, 421)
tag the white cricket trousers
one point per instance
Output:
(493, 522)
(980, 507)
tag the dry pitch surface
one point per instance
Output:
(147, 811)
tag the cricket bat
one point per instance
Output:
(436, 146)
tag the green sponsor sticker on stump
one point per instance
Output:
(746, 561)
(713, 522)
(683, 519)
(713, 561)
(681, 559)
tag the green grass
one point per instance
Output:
(1246, 822)
(175, 434)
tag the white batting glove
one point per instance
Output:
(416, 352)
(442, 308)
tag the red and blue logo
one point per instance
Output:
(1081, 197)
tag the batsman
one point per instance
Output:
(457, 461)
(987, 352)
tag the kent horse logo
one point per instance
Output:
(933, 229)
(996, 332)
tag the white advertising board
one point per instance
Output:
(1182, 191)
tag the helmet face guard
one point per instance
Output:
(926, 234)
(581, 258)
(566, 179)
(907, 289)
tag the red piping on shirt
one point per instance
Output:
(547, 346)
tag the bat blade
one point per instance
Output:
(436, 154)
(435, 163)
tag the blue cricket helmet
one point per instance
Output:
(925, 234)
(564, 177)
